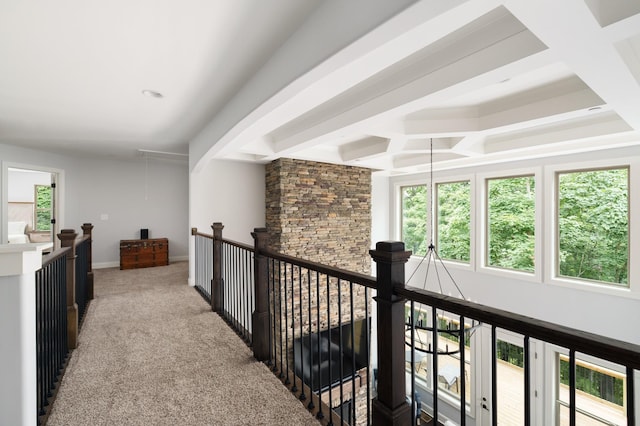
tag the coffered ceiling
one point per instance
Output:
(483, 80)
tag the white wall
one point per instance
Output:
(599, 309)
(132, 198)
(230, 192)
(22, 182)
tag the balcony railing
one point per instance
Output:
(64, 288)
(313, 324)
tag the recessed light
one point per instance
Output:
(595, 108)
(152, 94)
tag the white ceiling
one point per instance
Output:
(487, 81)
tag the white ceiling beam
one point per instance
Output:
(369, 147)
(500, 59)
(572, 33)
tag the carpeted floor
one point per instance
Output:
(151, 352)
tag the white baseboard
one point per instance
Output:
(103, 265)
(116, 264)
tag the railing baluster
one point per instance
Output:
(286, 325)
(463, 373)
(272, 275)
(572, 387)
(340, 347)
(311, 405)
(527, 382)
(494, 377)
(434, 337)
(294, 387)
(279, 281)
(319, 415)
(353, 355)
(368, 346)
(412, 323)
(631, 410)
(330, 381)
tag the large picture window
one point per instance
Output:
(454, 218)
(593, 225)
(511, 223)
(414, 218)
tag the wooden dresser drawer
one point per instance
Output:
(144, 253)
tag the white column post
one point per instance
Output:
(18, 399)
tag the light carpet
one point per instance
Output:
(151, 352)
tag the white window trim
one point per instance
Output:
(551, 277)
(482, 216)
(551, 351)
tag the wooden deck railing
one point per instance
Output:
(308, 316)
(64, 288)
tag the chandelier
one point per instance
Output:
(416, 326)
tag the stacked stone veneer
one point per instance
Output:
(319, 212)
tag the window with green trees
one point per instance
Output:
(454, 218)
(593, 225)
(43, 207)
(414, 219)
(511, 223)
(594, 380)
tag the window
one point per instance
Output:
(414, 218)
(511, 223)
(593, 225)
(600, 394)
(454, 218)
(43, 208)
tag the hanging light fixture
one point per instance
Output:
(416, 325)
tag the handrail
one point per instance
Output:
(343, 274)
(239, 245)
(616, 351)
(48, 258)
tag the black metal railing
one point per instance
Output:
(574, 341)
(51, 325)
(312, 324)
(203, 264)
(320, 335)
(238, 287)
(64, 288)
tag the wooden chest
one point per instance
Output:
(144, 253)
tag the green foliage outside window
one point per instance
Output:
(513, 354)
(596, 383)
(511, 223)
(43, 205)
(593, 225)
(414, 219)
(454, 218)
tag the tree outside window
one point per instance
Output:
(511, 223)
(593, 225)
(414, 219)
(43, 208)
(454, 218)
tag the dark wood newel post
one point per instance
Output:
(390, 407)
(260, 317)
(217, 290)
(86, 230)
(68, 239)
